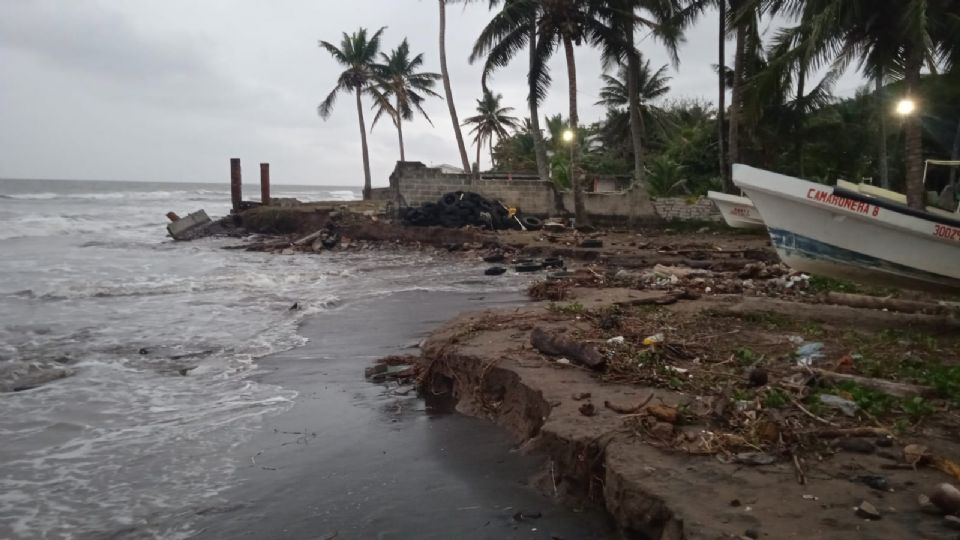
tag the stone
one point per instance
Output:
(587, 409)
(952, 522)
(855, 444)
(868, 511)
(662, 431)
(946, 497)
(752, 533)
(927, 506)
(758, 377)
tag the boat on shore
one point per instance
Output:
(738, 212)
(843, 234)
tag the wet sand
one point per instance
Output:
(352, 459)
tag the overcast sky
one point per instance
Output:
(169, 90)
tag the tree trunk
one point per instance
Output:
(722, 100)
(448, 90)
(799, 140)
(955, 156)
(492, 166)
(539, 147)
(914, 137)
(882, 116)
(403, 154)
(479, 147)
(367, 186)
(735, 98)
(633, 91)
(579, 210)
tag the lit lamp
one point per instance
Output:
(906, 107)
(568, 136)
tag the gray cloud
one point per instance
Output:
(170, 89)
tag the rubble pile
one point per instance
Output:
(461, 208)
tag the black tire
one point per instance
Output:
(591, 243)
(528, 267)
(553, 262)
(331, 241)
(495, 271)
(450, 221)
(449, 200)
(532, 223)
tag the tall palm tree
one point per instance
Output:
(511, 29)
(399, 79)
(650, 85)
(560, 23)
(886, 37)
(357, 53)
(665, 20)
(447, 89)
(491, 120)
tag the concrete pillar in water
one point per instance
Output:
(265, 183)
(236, 186)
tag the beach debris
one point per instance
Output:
(662, 430)
(628, 410)
(591, 243)
(190, 227)
(556, 345)
(521, 516)
(845, 406)
(587, 409)
(616, 341)
(495, 258)
(580, 396)
(855, 444)
(946, 497)
(868, 511)
(655, 339)
(952, 522)
(564, 361)
(461, 208)
(495, 271)
(895, 389)
(875, 482)
(754, 458)
(528, 266)
(758, 377)
(916, 454)
(664, 413)
(808, 353)
(753, 534)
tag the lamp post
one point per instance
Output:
(569, 138)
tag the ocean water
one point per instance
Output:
(92, 291)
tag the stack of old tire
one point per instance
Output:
(461, 208)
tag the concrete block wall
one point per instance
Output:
(413, 183)
(686, 209)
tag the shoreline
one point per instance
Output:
(650, 476)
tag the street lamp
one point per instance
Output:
(906, 107)
(568, 135)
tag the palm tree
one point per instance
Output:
(357, 53)
(491, 119)
(560, 23)
(650, 84)
(886, 38)
(447, 89)
(500, 40)
(399, 79)
(666, 21)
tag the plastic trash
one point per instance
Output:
(619, 340)
(845, 406)
(653, 340)
(808, 353)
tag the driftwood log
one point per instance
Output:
(895, 389)
(892, 304)
(557, 345)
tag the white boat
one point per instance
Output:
(738, 212)
(854, 236)
(890, 195)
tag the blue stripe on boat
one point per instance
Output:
(795, 244)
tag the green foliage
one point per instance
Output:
(775, 399)
(573, 308)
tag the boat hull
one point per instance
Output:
(817, 232)
(737, 212)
